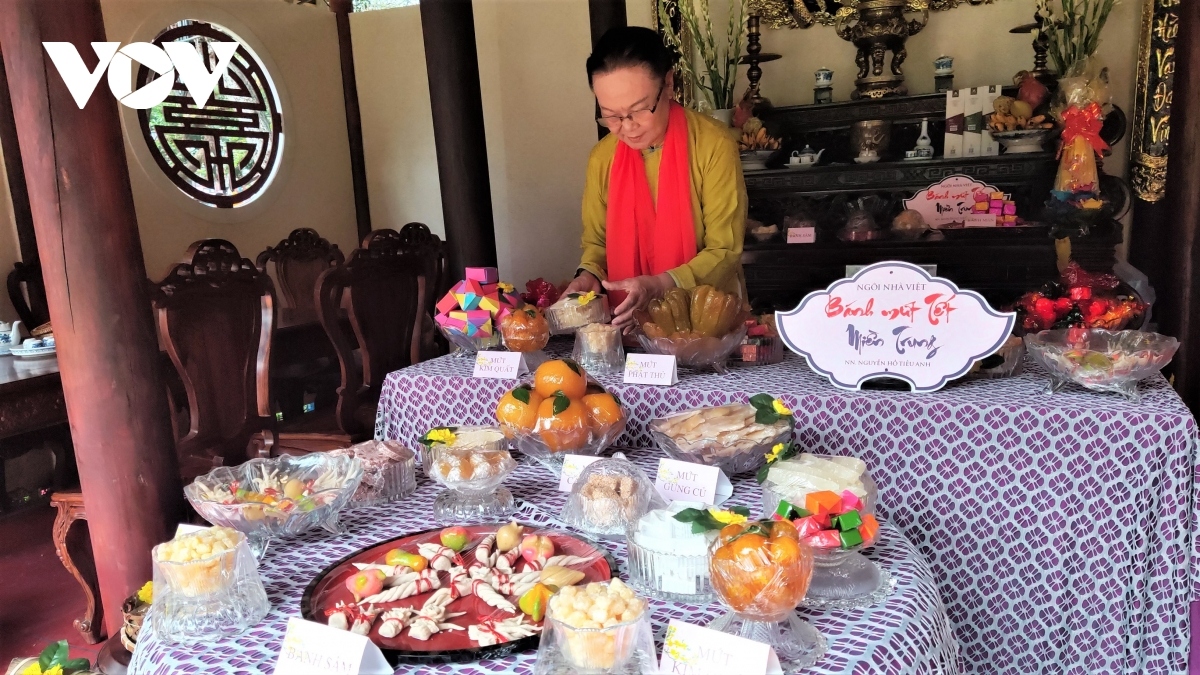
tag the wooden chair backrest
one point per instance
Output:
(382, 288)
(25, 279)
(215, 314)
(416, 239)
(299, 260)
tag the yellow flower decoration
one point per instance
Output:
(780, 408)
(775, 451)
(54, 670)
(441, 436)
(34, 668)
(726, 517)
(146, 593)
(505, 287)
(586, 298)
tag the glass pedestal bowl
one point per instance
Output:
(842, 578)
(473, 478)
(253, 497)
(468, 345)
(596, 441)
(762, 587)
(1101, 360)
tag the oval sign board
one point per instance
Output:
(893, 319)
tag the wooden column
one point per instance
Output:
(1179, 312)
(603, 15)
(22, 216)
(452, 63)
(91, 257)
(358, 165)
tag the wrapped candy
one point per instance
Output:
(491, 632)
(424, 581)
(389, 471)
(1082, 94)
(394, 620)
(608, 496)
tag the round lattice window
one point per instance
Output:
(225, 153)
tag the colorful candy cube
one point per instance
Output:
(807, 526)
(824, 502)
(824, 539)
(849, 520)
(490, 302)
(869, 528)
(850, 501)
(448, 303)
(783, 511)
(850, 538)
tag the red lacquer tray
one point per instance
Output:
(329, 588)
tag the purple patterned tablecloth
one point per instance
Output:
(908, 633)
(1060, 527)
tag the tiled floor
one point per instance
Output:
(38, 597)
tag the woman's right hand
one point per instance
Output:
(586, 281)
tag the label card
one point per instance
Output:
(980, 220)
(894, 320)
(949, 200)
(500, 365)
(657, 369)
(573, 465)
(693, 650)
(310, 647)
(689, 482)
(801, 235)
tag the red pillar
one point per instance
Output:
(91, 258)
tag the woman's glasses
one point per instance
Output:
(638, 117)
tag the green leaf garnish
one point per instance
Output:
(521, 393)
(561, 402)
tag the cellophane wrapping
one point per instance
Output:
(389, 471)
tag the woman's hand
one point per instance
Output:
(641, 290)
(583, 283)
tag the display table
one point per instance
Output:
(909, 633)
(1060, 527)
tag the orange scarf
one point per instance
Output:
(641, 237)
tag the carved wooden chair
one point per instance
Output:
(384, 286)
(416, 239)
(28, 294)
(215, 314)
(299, 260)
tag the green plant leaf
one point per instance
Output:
(54, 654)
(561, 402)
(688, 515)
(573, 366)
(762, 400)
(76, 665)
(740, 510)
(762, 473)
(521, 393)
(766, 416)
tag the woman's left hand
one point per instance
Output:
(641, 290)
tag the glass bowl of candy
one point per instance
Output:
(471, 462)
(525, 330)
(548, 428)
(831, 502)
(206, 586)
(280, 496)
(598, 349)
(1101, 360)
(724, 436)
(576, 310)
(761, 571)
(467, 344)
(609, 495)
(594, 629)
(667, 560)
(694, 350)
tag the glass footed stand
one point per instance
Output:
(846, 579)
(797, 644)
(259, 540)
(454, 507)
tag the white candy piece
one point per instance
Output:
(491, 632)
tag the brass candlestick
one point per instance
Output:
(753, 57)
(1041, 45)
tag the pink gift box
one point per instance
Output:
(489, 289)
(447, 303)
(996, 211)
(483, 275)
(478, 316)
(1010, 208)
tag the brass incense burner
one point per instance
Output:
(878, 27)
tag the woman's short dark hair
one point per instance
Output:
(630, 46)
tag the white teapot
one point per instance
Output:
(806, 157)
(10, 335)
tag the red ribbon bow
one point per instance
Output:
(1085, 122)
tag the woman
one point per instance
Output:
(665, 201)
